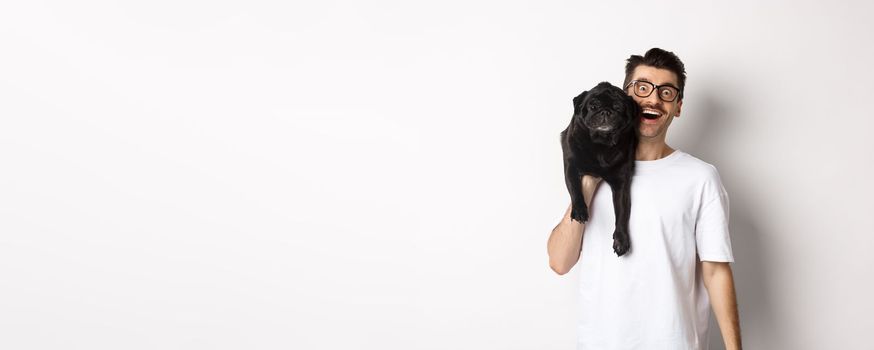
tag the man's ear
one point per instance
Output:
(578, 101)
(679, 108)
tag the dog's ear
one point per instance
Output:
(578, 101)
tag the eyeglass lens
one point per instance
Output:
(644, 89)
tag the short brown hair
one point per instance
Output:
(661, 59)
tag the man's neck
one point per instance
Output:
(652, 150)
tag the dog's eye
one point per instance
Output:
(592, 107)
(617, 106)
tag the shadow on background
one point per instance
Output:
(710, 139)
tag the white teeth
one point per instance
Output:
(650, 111)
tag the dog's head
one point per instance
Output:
(606, 112)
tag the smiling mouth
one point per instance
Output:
(650, 114)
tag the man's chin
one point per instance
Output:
(647, 131)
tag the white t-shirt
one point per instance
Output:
(653, 297)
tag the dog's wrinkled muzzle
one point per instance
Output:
(602, 122)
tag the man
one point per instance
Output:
(658, 295)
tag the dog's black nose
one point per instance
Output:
(603, 116)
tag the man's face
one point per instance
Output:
(655, 128)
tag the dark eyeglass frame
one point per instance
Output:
(655, 88)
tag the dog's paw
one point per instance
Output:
(621, 243)
(580, 215)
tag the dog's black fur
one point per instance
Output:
(607, 153)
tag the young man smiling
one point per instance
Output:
(659, 295)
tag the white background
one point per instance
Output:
(384, 175)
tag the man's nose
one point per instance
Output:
(652, 99)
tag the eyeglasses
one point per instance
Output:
(642, 88)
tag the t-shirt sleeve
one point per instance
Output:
(711, 227)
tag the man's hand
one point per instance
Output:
(590, 183)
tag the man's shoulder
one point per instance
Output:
(694, 166)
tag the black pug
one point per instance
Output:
(601, 140)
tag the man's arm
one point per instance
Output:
(720, 286)
(566, 238)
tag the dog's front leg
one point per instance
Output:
(573, 179)
(622, 208)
